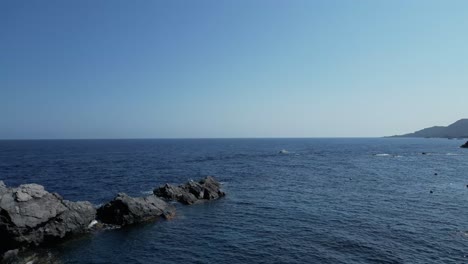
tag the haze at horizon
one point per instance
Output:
(168, 69)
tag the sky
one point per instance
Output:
(225, 68)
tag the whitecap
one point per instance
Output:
(93, 223)
(382, 155)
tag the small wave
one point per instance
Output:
(93, 223)
(147, 192)
(382, 155)
(453, 154)
(462, 233)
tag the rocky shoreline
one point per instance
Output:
(30, 216)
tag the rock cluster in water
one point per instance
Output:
(125, 210)
(30, 216)
(464, 145)
(191, 192)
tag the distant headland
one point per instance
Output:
(458, 129)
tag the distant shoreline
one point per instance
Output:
(188, 138)
(227, 138)
(450, 138)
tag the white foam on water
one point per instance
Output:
(382, 155)
(93, 223)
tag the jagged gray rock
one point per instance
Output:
(30, 216)
(191, 192)
(464, 145)
(126, 210)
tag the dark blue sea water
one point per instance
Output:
(327, 201)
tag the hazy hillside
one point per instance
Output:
(458, 129)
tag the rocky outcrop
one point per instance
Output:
(464, 145)
(191, 192)
(29, 216)
(125, 210)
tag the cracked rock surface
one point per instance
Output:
(192, 192)
(29, 216)
(125, 210)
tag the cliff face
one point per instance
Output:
(458, 129)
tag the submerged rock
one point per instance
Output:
(36, 256)
(191, 192)
(30, 216)
(464, 145)
(126, 210)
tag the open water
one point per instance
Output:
(320, 201)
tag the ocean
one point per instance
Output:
(369, 200)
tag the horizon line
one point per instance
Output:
(190, 138)
(194, 138)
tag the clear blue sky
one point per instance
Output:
(234, 68)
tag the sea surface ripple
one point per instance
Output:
(321, 201)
